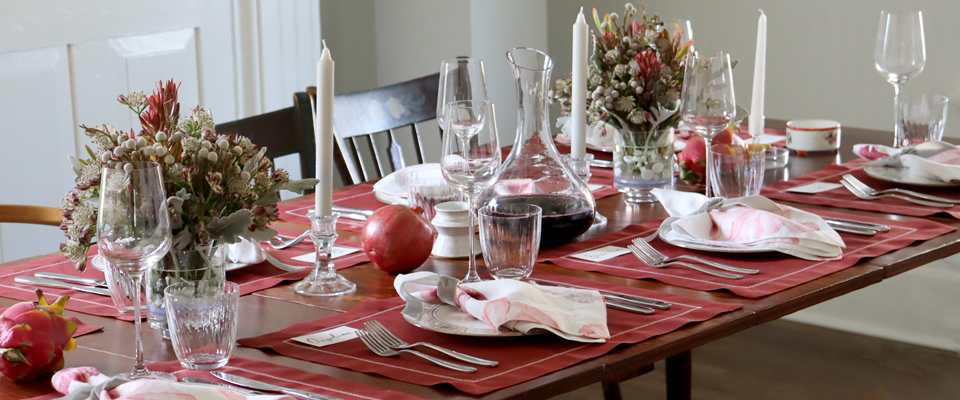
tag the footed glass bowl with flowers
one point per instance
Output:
(220, 186)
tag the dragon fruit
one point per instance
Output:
(33, 338)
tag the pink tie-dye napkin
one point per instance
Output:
(928, 161)
(84, 383)
(746, 223)
(572, 314)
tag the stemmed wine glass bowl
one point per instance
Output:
(707, 103)
(460, 79)
(133, 229)
(471, 158)
(900, 53)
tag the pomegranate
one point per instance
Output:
(33, 338)
(693, 158)
(397, 239)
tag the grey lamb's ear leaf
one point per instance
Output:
(298, 186)
(265, 234)
(230, 228)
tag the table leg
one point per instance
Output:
(611, 390)
(679, 376)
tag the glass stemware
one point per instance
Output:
(707, 103)
(460, 79)
(133, 229)
(900, 53)
(471, 158)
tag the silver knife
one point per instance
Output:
(620, 305)
(247, 392)
(867, 225)
(840, 227)
(601, 163)
(624, 298)
(257, 385)
(352, 213)
(32, 280)
(71, 278)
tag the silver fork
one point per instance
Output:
(652, 252)
(861, 194)
(280, 243)
(378, 330)
(381, 349)
(658, 264)
(874, 192)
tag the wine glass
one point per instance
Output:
(707, 103)
(133, 229)
(470, 161)
(900, 53)
(460, 79)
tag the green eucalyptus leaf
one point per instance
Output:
(230, 228)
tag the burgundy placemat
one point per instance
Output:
(251, 278)
(842, 198)
(777, 271)
(82, 328)
(281, 376)
(521, 358)
(361, 196)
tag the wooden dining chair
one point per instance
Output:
(366, 125)
(23, 214)
(282, 132)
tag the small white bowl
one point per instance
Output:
(813, 135)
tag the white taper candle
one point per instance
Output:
(578, 95)
(323, 130)
(759, 70)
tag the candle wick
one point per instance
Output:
(581, 9)
(761, 12)
(324, 41)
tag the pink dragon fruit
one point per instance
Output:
(693, 157)
(33, 338)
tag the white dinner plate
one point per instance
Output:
(444, 318)
(901, 176)
(706, 247)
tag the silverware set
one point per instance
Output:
(385, 344)
(61, 281)
(863, 191)
(650, 256)
(638, 304)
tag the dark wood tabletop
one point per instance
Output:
(275, 308)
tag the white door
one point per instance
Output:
(63, 63)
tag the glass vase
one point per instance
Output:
(642, 161)
(534, 172)
(180, 266)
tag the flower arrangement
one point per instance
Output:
(635, 76)
(220, 186)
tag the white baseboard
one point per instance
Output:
(920, 307)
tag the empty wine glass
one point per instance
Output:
(707, 103)
(471, 158)
(900, 53)
(460, 79)
(133, 229)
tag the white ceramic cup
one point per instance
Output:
(813, 135)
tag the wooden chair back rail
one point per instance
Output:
(24, 214)
(381, 112)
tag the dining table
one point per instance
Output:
(265, 311)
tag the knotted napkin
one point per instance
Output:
(86, 383)
(937, 161)
(572, 314)
(745, 223)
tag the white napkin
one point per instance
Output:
(573, 314)
(936, 161)
(246, 251)
(747, 222)
(395, 184)
(86, 383)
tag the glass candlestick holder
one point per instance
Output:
(324, 279)
(581, 167)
